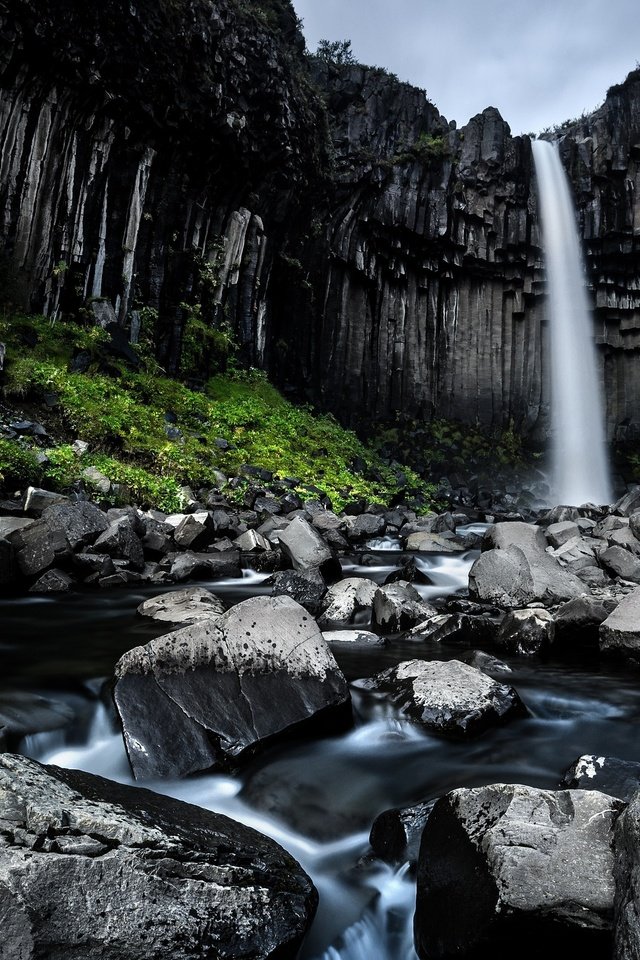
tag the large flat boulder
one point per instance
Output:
(448, 697)
(199, 697)
(509, 870)
(92, 869)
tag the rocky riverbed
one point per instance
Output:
(344, 624)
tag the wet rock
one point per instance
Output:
(23, 713)
(399, 606)
(38, 547)
(348, 601)
(327, 520)
(92, 868)
(432, 543)
(201, 696)
(183, 606)
(364, 527)
(307, 589)
(504, 863)
(452, 627)
(617, 778)
(87, 564)
(194, 531)
(158, 537)
(485, 662)
(526, 632)
(212, 565)
(81, 523)
(576, 553)
(577, 621)
(307, 550)
(395, 834)
(447, 697)
(620, 632)
(53, 581)
(120, 541)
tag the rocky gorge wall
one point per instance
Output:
(185, 154)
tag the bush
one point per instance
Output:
(18, 465)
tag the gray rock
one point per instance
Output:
(251, 542)
(38, 500)
(485, 662)
(22, 713)
(625, 538)
(634, 524)
(617, 778)
(212, 565)
(158, 537)
(53, 581)
(627, 504)
(447, 697)
(90, 868)
(97, 480)
(354, 638)
(9, 525)
(194, 531)
(306, 549)
(452, 627)
(91, 563)
(307, 589)
(626, 874)
(526, 632)
(432, 543)
(183, 606)
(120, 541)
(199, 697)
(559, 533)
(399, 606)
(327, 520)
(365, 526)
(80, 447)
(577, 621)
(38, 547)
(506, 862)
(348, 600)
(623, 564)
(81, 523)
(620, 632)
(578, 552)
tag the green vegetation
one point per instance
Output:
(151, 434)
(426, 149)
(335, 51)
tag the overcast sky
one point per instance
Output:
(538, 61)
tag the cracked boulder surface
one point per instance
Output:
(93, 870)
(510, 864)
(199, 697)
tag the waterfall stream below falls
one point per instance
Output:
(319, 798)
(579, 455)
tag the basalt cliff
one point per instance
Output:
(178, 158)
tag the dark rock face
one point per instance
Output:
(627, 880)
(505, 863)
(197, 698)
(618, 778)
(93, 869)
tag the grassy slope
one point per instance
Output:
(126, 415)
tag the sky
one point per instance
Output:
(540, 62)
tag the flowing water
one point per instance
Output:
(579, 455)
(319, 798)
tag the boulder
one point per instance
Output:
(37, 500)
(9, 525)
(627, 504)
(199, 697)
(308, 588)
(620, 632)
(516, 569)
(38, 547)
(348, 601)
(508, 864)
(618, 778)
(252, 542)
(526, 632)
(577, 553)
(559, 533)
(53, 581)
(363, 527)
(425, 542)
(82, 523)
(22, 713)
(121, 541)
(215, 566)
(183, 606)
(453, 627)
(94, 869)
(97, 480)
(447, 697)
(577, 621)
(194, 531)
(87, 564)
(307, 550)
(485, 662)
(622, 563)
(626, 874)
(399, 606)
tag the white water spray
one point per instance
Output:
(580, 463)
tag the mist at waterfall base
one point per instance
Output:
(580, 469)
(319, 799)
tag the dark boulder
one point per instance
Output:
(53, 581)
(211, 565)
(93, 869)
(508, 864)
(307, 550)
(526, 632)
(81, 523)
(120, 541)
(626, 874)
(618, 778)
(199, 697)
(307, 588)
(398, 606)
(348, 601)
(396, 833)
(38, 547)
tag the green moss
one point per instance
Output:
(153, 434)
(17, 464)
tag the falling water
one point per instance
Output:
(580, 465)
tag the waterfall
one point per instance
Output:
(579, 455)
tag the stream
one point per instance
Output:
(319, 798)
